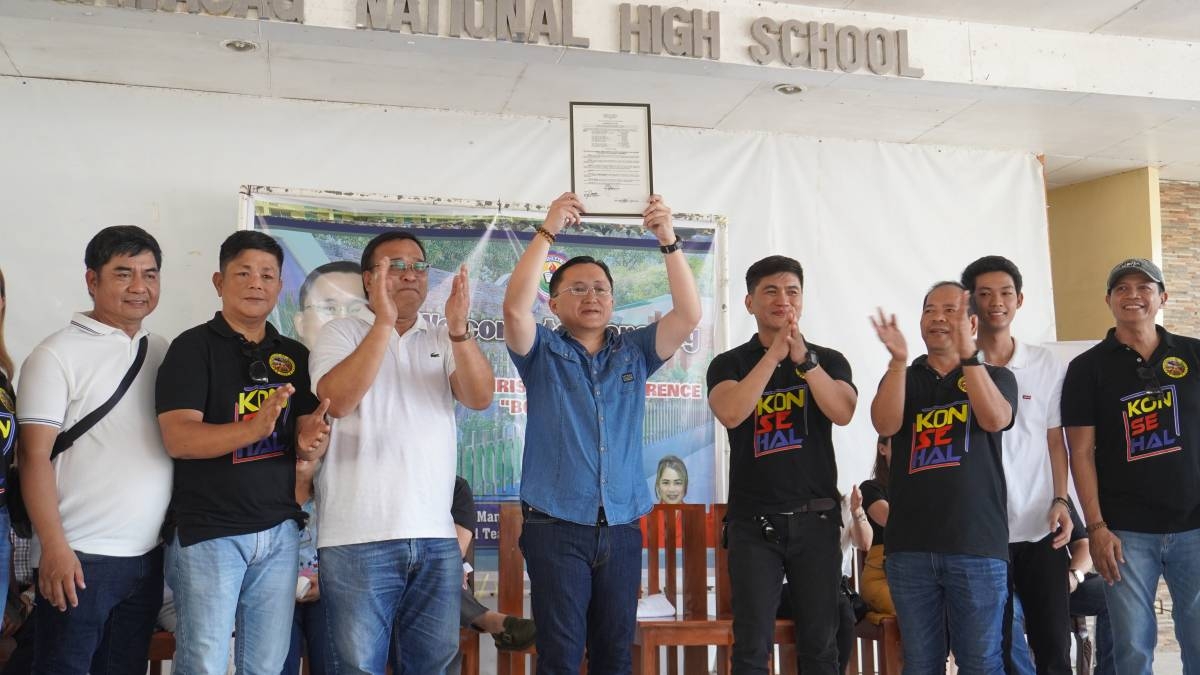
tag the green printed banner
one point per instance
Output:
(323, 237)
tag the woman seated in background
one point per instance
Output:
(873, 584)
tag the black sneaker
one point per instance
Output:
(518, 634)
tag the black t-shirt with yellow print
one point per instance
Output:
(946, 490)
(782, 455)
(209, 368)
(1147, 420)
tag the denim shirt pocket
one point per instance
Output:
(625, 366)
(564, 364)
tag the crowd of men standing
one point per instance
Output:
(182, 461)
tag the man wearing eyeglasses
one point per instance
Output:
(390, 562)
(329, 292)
(582, 485)
(779, 396)
(235, 411)
(1131, 406)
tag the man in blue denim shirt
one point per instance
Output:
(582, 485)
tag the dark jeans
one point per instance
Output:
(109, 632)
(311, 637)
(845, 628)
(584, 588)
(807, 553)
(1088, 600)
(1039, 580)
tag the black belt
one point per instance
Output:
(819, 505)
(601, 519)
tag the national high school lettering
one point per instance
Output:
(779, 422)
(249, 404)
(940, 438)
(1151, 424)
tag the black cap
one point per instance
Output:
(1136, 265)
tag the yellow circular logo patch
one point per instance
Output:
(1175, 367)
(962, 384)
(6, 400)
(282, 364)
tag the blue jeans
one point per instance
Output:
(409, 584)
(584, 587)
(1131, 600)
(966, 593)
(244, 582)
(109, 631)
(310, 637)
(5, 547)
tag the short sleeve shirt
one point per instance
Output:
(583, 431)
(463, 508)
(873, 492)
(946, 487)
(253, 488)
(782, 455)
(1147, 419)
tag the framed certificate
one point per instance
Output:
(611, 167)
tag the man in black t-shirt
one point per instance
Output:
(947, 528)
(779, 395)
(235, 409)
(1131, 407)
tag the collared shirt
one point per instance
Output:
(946, 491)
(781, 456)
(253, 488)
(389, 471)
(114, 483)
(1147, 419)
(583, 432)
(1027, 470)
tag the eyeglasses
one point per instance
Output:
(1150, 381)
(333, 310)
(581, 291)
(417, 266)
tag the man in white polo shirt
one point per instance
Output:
(1035, 469)
(98, 507)
(389, 553)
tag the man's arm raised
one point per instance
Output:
(520, 329)
(676, 325)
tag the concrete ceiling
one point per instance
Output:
(1083, 135)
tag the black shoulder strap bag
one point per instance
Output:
(16, 504)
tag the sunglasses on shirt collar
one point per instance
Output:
(1150, 381)
(258, 368)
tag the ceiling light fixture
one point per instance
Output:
(240, 46)
(788, 89)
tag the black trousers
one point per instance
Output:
(806, 552)
(845, 629)
(1039, 579)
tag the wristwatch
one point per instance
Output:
(975, 359)
(1078, 574)
(810, 361)
(671, 248)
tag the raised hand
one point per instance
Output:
(799, 348)
(566, 210)
(890, 335)
(963, 332)
(458, 303)
(782, 345)
(270, 409)
(379, 296)
(855, 501)
(313, 429)
(657, 218)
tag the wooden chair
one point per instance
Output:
(162, 648)
(876, 633)
(675, 539)
(468, 638)
(510, 596)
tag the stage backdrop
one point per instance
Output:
(316, 230)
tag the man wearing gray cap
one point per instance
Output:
(1131, 407)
